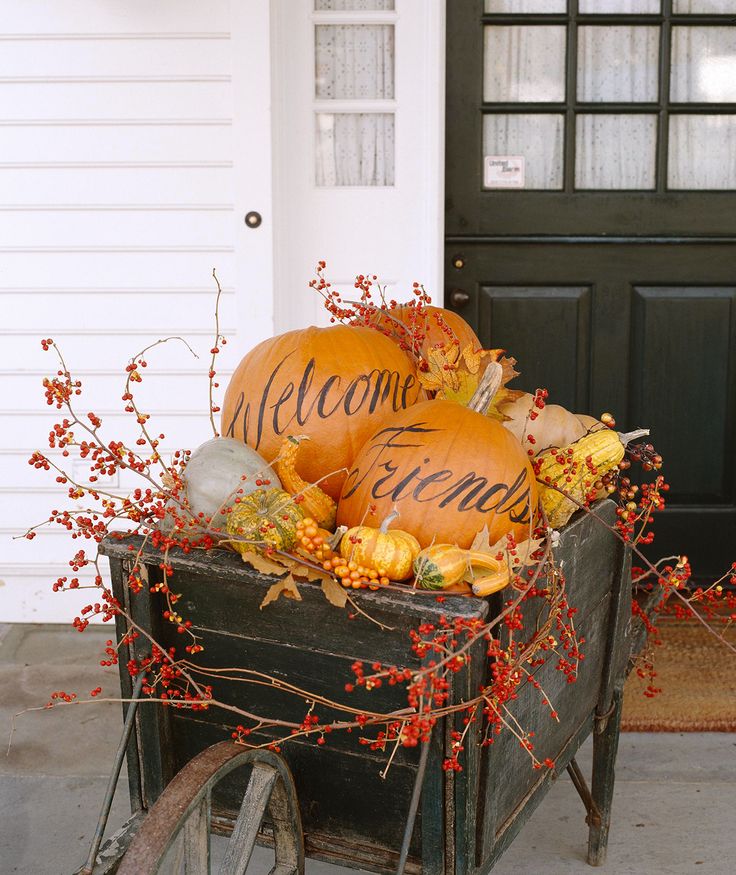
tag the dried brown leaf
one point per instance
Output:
(307, 572)
(262, 563)
(521, 555)
(286, 587)
(334, 592)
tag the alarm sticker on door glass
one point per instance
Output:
(503, 171)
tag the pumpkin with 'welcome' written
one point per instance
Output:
(448, 471)
(335, 385)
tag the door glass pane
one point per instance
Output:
(702, 152)
(703, 64)
(353, 5)
(615, 151)
(704, 6)
(640, 7)
(618, 63)
(354, 61)
(354, 149)
(538, 6)
(524, 63)
(535, 138)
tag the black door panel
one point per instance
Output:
(645, 332)
(613, 299)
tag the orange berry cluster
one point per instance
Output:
(350, 574)
(309, 539)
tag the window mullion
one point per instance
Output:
(665, 52)
(571, 77)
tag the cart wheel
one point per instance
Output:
(185, 806)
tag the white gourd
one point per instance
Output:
(215, 473)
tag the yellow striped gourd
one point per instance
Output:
(573, 471)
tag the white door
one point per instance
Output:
(120, 190)
(358, 146)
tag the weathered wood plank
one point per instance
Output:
(133, 754)
(529, 804)
(509, 776)
(152, 720)
(605, 748)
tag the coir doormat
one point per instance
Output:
(697, 676)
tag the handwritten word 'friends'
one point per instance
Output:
(445, 488)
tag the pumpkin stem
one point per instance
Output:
(388, 520)
(630, 436)
(489, 384)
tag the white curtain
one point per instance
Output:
(545, 6)
(618, 63)
(593, 7)
(524, 63)
(704, 6)
(702, 152)
(615, 151)
(703, 64)
(535, 137)
(352, 5)
(354, 62)
(355, 149)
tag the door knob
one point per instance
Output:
(459, 298)
(253, 219)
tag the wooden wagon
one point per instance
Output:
(346, 812)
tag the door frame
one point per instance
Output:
(252, 149)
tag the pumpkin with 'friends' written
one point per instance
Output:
(335, 385)
(448, 471)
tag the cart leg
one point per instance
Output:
(605, 747)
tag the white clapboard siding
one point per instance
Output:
(193, 228)
(123, 265)
(122, 183)
(116, 202)
(60, 143)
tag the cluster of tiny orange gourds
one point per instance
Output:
(313, 541)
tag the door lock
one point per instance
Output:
(458, 262)
(459, 298)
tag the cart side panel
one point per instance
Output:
(350, 813)
(590, 557)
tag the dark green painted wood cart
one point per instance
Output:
(349, 813)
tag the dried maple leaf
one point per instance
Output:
(454, 375)
(286, 587)
(262, 563)
(517, 558)
(334, 592)
(438, 370)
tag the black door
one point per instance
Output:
(591, 224)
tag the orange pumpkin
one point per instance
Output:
(435, 325)
(335, 385)
(448, 470)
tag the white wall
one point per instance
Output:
(116, 201)
(134, 137)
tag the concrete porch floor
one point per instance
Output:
(673, 809)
